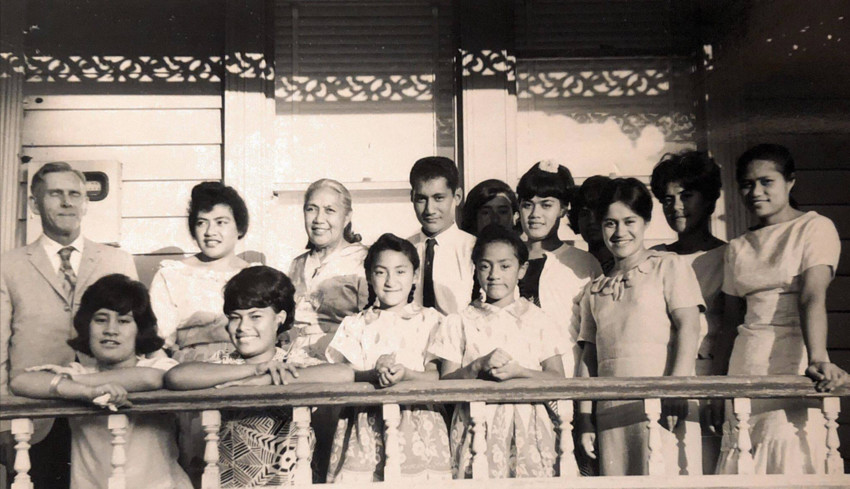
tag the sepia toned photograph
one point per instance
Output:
(460, 243)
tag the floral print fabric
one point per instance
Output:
(357, 453)
(521, 438)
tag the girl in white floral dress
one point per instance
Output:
(504, 337)
(386, 344)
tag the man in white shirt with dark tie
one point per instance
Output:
(445, 252)
(40, 289)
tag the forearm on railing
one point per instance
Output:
(477, 393)
(441, 392)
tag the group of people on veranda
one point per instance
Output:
(499, 297)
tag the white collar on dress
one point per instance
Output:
(409, 311)
(516, 309)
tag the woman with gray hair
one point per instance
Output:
(330, 282)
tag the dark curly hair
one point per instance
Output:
(389, 242)
(586, 196)
(123, 295)
(629, 191)
(537, 182)
(207, 195)
(693, 170)
(261, 286)
(481, 194)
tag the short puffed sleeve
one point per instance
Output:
(76, 368)
(821, 244)
(220, 356)
(587, 331)
(729, 286)
(161, 363)
(448, 341)
(346, 345)
(430, 325)
(163, 305)
(552, 341)
(681, 287)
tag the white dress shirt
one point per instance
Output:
(52, 249)
(453, 269)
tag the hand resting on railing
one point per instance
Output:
(301, 396)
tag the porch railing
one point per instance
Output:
(477, 394)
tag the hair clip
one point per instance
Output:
(548, 166)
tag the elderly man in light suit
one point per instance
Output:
(40, 289)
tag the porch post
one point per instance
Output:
(12, 72)
(249, 109)
(488, 91)
(725, 118)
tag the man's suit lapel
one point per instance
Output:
(88, 264)
(39, 260)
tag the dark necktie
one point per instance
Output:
(66, 271)
(428, 297)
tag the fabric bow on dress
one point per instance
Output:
(616, 285)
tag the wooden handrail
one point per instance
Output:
(440, 392)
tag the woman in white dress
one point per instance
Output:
(778, 274)
(557, 271)
(186, 295)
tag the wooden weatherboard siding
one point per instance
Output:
(112, 91)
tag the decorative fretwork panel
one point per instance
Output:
(489, 63)
(358, 59)
(591, 83)
(11, 63)
(677, 127)
(132, 69)
(635, 93)
(363, 88)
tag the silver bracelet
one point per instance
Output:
(53, 390)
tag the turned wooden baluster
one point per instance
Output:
(480, 464)
(117, 425)
(655, 462)
(567, 465)
(834, 462)
(211, 422)
(742, 407)
(392, 458)
(301, 421)
(22, 430)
